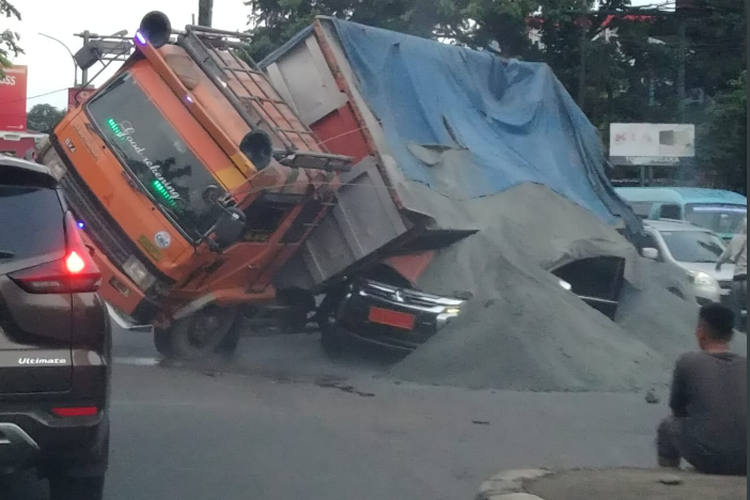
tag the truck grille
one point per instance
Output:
(105, 233)
(88, 209)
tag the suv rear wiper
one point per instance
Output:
(7, 254)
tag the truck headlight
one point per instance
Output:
(138, 273)
(703, 280)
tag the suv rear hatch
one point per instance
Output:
(36, 311)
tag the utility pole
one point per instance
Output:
(205, 12)
(682, 12)
(682, 56)
(584, 25)
(85, 72)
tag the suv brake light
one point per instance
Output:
(74, 273)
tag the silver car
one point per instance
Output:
(694, 249)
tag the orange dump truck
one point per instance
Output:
(194, 182)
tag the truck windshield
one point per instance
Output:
(153, 152)
(722, 219)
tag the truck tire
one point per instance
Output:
(201, 334)
(228, 346)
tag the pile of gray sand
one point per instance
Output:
(522, 331)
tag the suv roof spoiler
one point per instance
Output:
(14, 170)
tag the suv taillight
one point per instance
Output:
(76, 272)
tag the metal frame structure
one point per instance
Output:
(294, 144)
(113, 48)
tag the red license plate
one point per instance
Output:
(391, 318)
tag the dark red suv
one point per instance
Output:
(55, 339)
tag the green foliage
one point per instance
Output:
(630, 64)
(275, 21)
(722, 138)
(8, 39)
(44, 118)
(718, 46)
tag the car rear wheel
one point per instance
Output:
(76, 488)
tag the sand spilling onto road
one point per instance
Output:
(523, 331)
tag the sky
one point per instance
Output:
(50, 65)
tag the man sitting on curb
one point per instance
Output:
(709, 402)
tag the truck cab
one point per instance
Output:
(192, 180)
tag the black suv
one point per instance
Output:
(55, 339)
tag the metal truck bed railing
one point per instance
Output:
(255, 99)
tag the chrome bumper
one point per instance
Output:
(126, 323)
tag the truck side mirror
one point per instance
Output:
(229, 228)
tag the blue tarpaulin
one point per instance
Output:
(494, 123)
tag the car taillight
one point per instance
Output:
(76, 272)
(77, 411)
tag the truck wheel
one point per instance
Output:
(202, 333)
(228, 346)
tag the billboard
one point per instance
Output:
(651, 143)
(78, 96)
(13, 99)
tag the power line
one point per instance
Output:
(36, 96)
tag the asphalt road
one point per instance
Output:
(283, 422)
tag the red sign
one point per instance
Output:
(77, 96)
(13, 99)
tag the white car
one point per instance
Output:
(696, 250)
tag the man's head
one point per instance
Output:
(715, 326)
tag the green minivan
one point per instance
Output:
(716, 209)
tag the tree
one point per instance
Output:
(722, 138)
(618, 60)
(44, 118)
(717, 43)
(8, 39)
(274, 22)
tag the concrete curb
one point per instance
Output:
(514, 484)
(508, 485)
